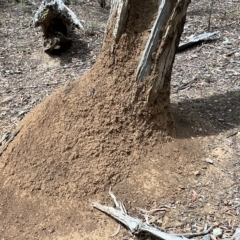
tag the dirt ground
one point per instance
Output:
(194, 179)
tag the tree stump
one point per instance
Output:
(56, 20)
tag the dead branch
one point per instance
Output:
(210, 14)
(135, 225)
(197, 39)
(56, 20)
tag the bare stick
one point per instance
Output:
(135, 225)
(118, 205)
(210, 15)
(114, 198)
(117, 231)
(190, 235)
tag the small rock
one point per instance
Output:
(208, 160)
(226, 42)
(217, 232)
(51, 230)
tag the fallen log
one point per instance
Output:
(56, 20)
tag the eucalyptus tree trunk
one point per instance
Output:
(87, 135)
(155, 27)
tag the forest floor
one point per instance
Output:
(194, 180)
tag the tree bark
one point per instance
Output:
(155, 28)
(162, 43)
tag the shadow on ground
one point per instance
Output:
(78, 49)
(207, 116)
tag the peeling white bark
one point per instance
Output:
(136, 225)
(163, 40)
(160, 49)
(168, 50)
(144, 67)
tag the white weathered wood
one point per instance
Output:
(168, 50)
(163, 41)
(57, 7)
(135, 225)
(197, 39)
(144, 67)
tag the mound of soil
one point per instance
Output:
(88, 135)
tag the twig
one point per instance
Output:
(190, 65)
(135, 225)
(114, 198)
(155, 210)
(236, 206)
(190, 235)
(210, 15)
(122, 207)
(232, 134)
(185, 85)
(117, 231)
(118, 205)
(231, 53)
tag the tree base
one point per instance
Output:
(88, 135)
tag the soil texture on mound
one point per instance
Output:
(88, 135)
